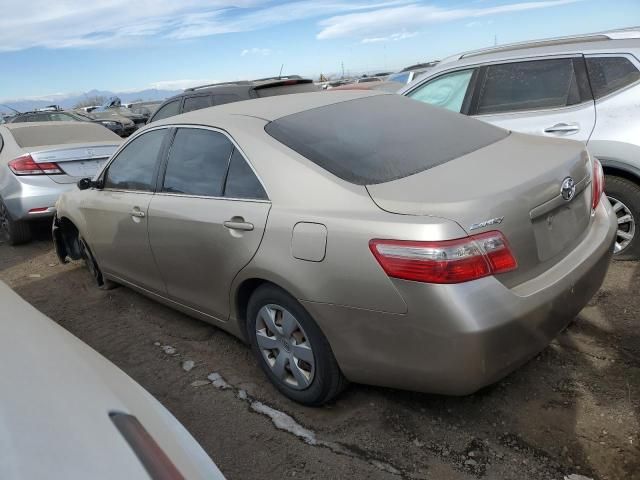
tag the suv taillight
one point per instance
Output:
(25, 165)
(448, 261)
(597, 183)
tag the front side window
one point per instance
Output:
(169, 110)
(135, 166)
(241, 181)
(196, 103)
(197, 163)
(609, 74)
(447, 91)
(531, 85)
(222, 98)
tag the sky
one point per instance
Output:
(71, 46)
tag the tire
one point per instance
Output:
(94, 269)
(624, 196)
(14, 232)
(324, 380)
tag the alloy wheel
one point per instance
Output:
(285, 346)
(626, 225)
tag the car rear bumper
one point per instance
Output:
(25, 196)
(456, 339)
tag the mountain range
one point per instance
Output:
(71, 100)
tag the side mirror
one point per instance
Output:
(85, 183)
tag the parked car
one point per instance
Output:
(120, 126)
(113, 110)
(353, 235)
(70, 414)
(39, 161)
(221, 93)
(586, 88)
(411, 73)
(368, 79)
(390, 87)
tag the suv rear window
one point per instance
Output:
(608, 74)
(280, 89)
(381, 138)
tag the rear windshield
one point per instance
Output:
(54, 133)
(381, 138)
(280, 89)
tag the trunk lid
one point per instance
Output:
(513, 186)
(76, 160)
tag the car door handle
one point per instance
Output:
(137, 213)
(238, 224)
(563, 128)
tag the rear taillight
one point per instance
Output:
(25, 165)
(449, 261)
(597, 183)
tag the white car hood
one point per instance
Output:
(56, 394)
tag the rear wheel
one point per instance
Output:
(624, 196)
(291, 349)
(94, 269)
(12, 231)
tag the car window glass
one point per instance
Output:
(223, 98)
(197, 163)
(447, 91)
(241, 181)
(608, 74)
(528, 85)
(196, 103)
(169, 110)
(134, 167)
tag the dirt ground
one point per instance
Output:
(575, 409)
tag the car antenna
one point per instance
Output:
(3, 105)
(281, 67)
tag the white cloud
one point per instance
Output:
(81, 23)
(255, 51)
(394, 37)
(415, 16)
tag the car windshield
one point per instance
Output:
(381, 138)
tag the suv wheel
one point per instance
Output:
(291, 349)
(11, 231)
(624, 196)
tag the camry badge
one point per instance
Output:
(568, 189)
(487, 223)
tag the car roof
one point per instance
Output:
(268, 108)
(602, 42)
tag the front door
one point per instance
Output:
(207, 220)
(117, 215)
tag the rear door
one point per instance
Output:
(207, 219)
(116, 216)
(549, 97)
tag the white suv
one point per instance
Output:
(584, 88)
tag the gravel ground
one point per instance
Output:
(573, 410)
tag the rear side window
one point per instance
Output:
(196, 103)
(135, 166)
(530, 85)
(447, 91)
(381, 138)
(608, 74)
(197, 163)
(222, 98)
(241, 181)
(169, 110)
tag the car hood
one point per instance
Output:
(57, 394)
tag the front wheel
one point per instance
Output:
(291, 349)
(624, 196)
(94, 269)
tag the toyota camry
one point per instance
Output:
(356, 236)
